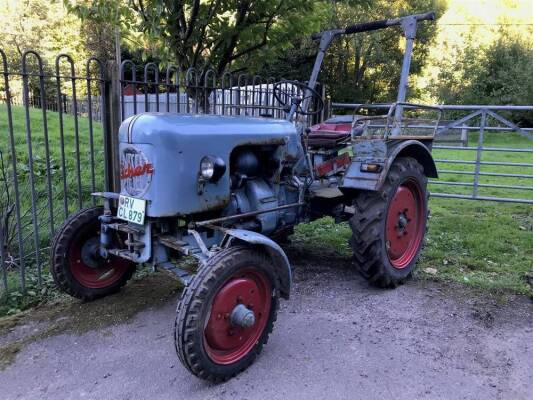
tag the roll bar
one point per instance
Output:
(408, 23)
(375, 25)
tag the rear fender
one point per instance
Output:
(273, 250)
(383, 153)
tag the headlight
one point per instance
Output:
(212, 168)
(207, 168)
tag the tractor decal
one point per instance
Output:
(135, 171)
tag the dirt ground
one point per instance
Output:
(337, 338)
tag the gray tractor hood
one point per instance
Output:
(163, 127)
(160, 156)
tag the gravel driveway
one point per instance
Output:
(336, 338)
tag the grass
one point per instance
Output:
(41, 232)
(484, 244)
(491, 139)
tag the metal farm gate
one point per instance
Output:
(481, 155)
(58, 125)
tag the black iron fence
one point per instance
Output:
(83, 105)
(171, 89)
(51, 158)
(58, 127)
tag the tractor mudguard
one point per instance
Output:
(383, 153)
(276, 253)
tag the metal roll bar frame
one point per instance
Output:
(408, 24)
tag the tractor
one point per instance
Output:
(226, 190)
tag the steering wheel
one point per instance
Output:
(288, 93)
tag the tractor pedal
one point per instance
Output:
(181, 246)
(172, 242)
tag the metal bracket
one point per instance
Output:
(409, 25)
(200, 242)
(409, 30)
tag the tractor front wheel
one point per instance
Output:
(226, 314)
(76, 264)
(389, 226)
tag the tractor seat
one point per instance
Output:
(332, 132)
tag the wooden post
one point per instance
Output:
(111, 126)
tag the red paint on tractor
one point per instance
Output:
(224, 342)
(343, 127)
(332, 166)
(404, 229)
(110, 271)
(130, 171)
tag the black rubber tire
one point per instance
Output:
(82, 220)
(195, 303)
(368, 226)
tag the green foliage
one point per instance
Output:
(40, 25)
(202, 34)
(499, 73)
(366, 67)
(363, 67)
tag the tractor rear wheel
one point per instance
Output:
(389, 225)
(76, 265)
(226, 314)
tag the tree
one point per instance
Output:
(498, 73)
(45, 27)
(99, 39)
(205, 34)
(364, 67)
(41, 25)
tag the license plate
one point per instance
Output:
(131, 209)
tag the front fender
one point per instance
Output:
(384, 153)
(279, 258)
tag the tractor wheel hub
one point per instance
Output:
(242, 316)
(90, 253)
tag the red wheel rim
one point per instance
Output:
(406, 218)
(226, 343)
(110, 271)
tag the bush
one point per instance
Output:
(500, 73)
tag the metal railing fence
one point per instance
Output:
(66, 105)
(51, 158)
(172, 89)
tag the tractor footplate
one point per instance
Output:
(179, 245)
(183, 276)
